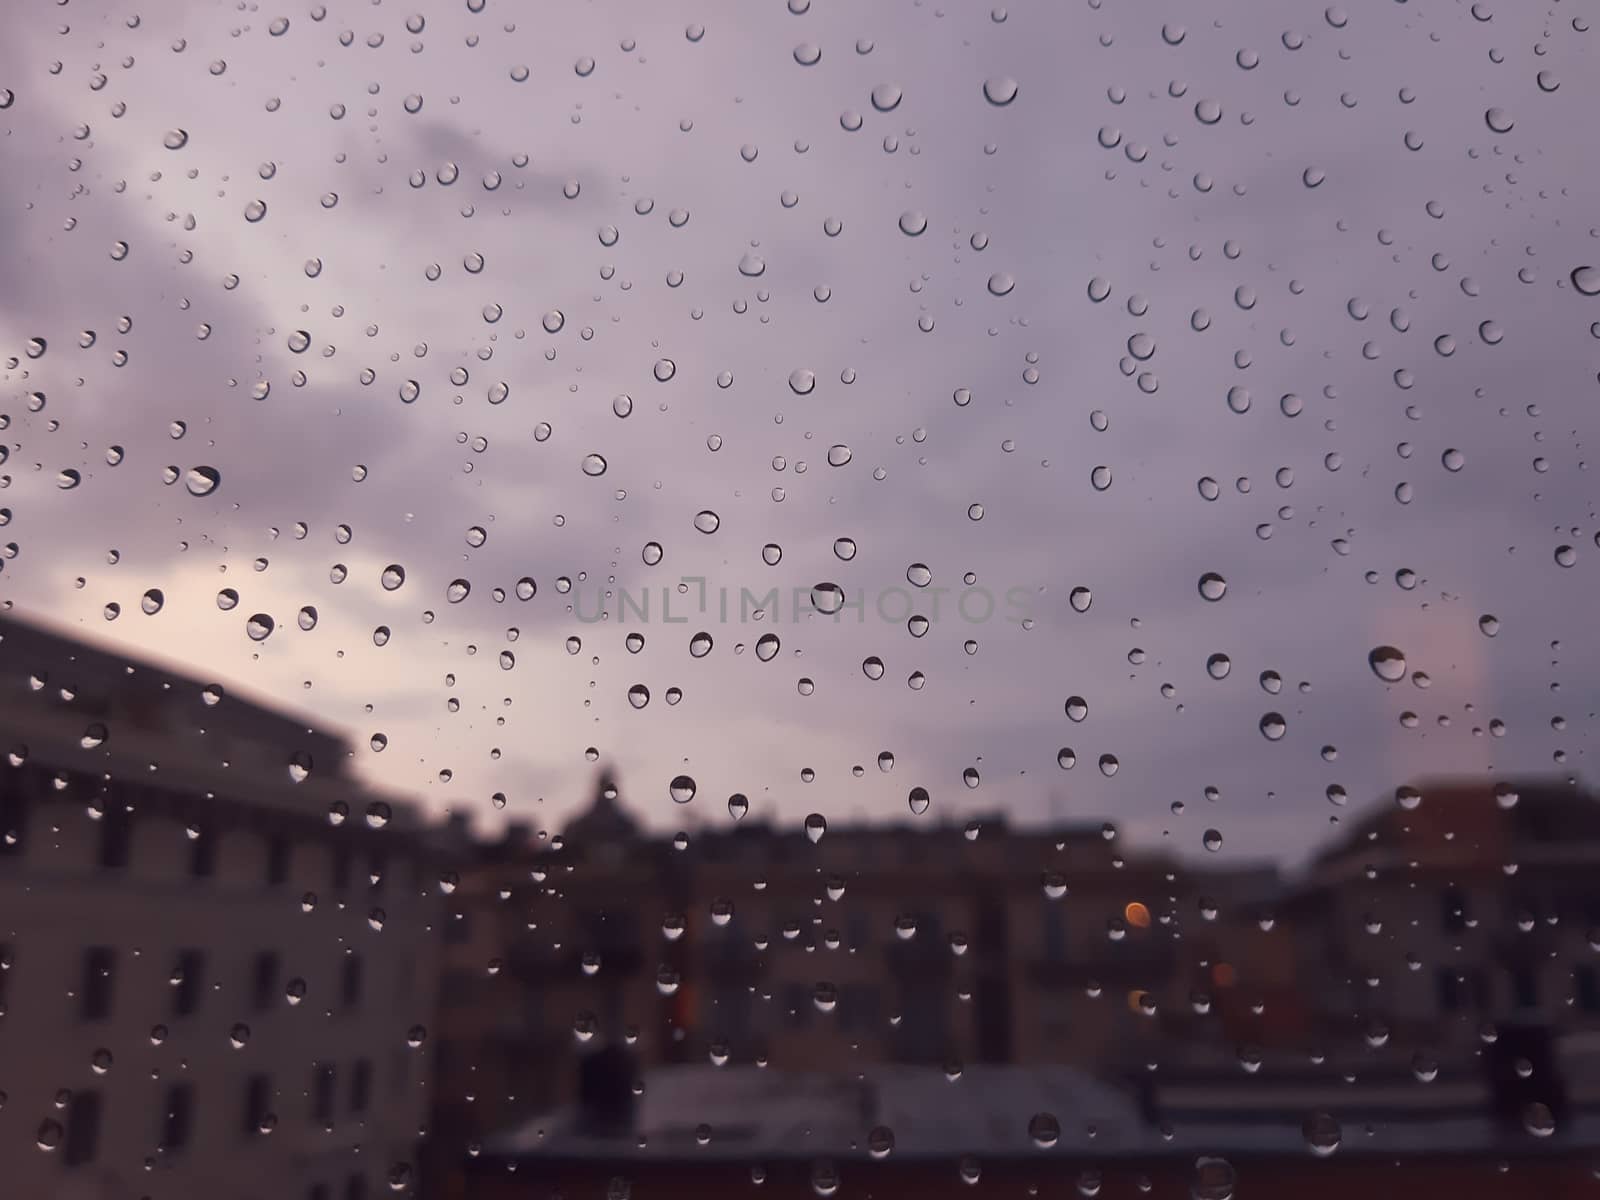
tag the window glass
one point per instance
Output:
(844, 597)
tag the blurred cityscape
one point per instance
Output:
(227, 968)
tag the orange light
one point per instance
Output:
(1137, 915)
(1223, 975)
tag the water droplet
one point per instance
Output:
(1538, 1120)
(259, 627)
(1213, 1179)
(1387, 663)
(594, 465)
(999, 90)
(913, 223)
(681, 789)
(707, 521)
(827, 598)
(1586, 280)
(49, 1135)
(1044, 1130)
(1498, 120)
(1213, 586)
(815, 825)
(150, 603)
(202, 481)
(919, 801)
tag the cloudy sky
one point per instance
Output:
(400, 267)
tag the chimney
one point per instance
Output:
(517, 836)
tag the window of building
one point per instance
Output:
(14, 808)
(457, 928)
(322, 1093)
(99, 982)
(796, 1004)
(280, 853)
(1448, 986)
(1586, 987)
(360, 1085)
(116, 834)
(1525, 985)
(83, 1128)
(264, 980)
(351, 972)
(178, 1117)
(188, 982)
(343, 864)
(257, 1102)
(1055, 932)
(203, 855)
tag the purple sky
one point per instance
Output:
(713, 152)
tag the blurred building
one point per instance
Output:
(217, 948)
(922, 1008)
(1462, 906)
(927, 944)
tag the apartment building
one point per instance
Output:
(219, 951)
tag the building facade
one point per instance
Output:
(929, 945)
(219, 952)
